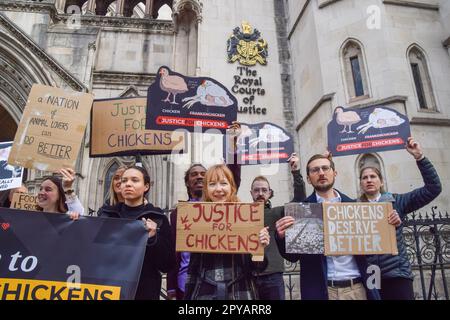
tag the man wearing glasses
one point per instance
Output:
(327, 278)
(270, 284)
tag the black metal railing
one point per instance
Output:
(427, 240)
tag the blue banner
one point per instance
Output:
(371, 129)
(47, 256)
(175, 101)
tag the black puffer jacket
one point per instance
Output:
(398, 266)
(160, 253)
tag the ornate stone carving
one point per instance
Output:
(182, 7)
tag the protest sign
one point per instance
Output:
(52, 127)
(371, 129)
(260, 143)
(306, 235)
(118, 129)
(10, 176)
(177, 101)
(24, 201)
(49, 256)
(219, 227)
(358, 228)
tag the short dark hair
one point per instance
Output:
(319, 156)
(188, 172)
(144, 174)
(262, 178)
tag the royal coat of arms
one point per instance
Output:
(247, 46)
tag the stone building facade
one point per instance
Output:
(113, 48)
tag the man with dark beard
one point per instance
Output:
(327, 278)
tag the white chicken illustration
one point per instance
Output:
(269, 134)
(346, 119)
(381, 118)
(171, 84)
(209, 94)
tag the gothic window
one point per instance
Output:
(165, 13)
(71, 4)
(421, 79)
(355, 72)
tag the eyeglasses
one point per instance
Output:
(316, 170)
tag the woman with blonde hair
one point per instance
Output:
(222, 276)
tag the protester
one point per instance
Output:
(57, 196)
(269, 282)
(160, 251)
(7, 202)
(333, 277)
(396, 274)
(114, 188)
(222, 276)
(193, 180)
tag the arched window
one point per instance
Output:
(422, 79)
(108, 178)
(165, 13)
(355, 71)
(69, 7)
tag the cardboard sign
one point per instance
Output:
(51, 129)
(261, 143)
(24, 201)
(371, 129)
(358, 228)
(176, 101)
(118, 129)
(306, 235)
(219, 227)
(10, 176)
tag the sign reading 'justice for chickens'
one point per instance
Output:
(371, 129)
(196, 104)
(219, 227)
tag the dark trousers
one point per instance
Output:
(270, 287)
(397, 289)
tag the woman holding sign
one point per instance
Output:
(396, 274)
(222, 276)
(160, 251)
(56, 195)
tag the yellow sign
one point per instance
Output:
(24, 289)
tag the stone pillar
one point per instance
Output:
(59, 5)
(120, 4)
(149, 9)
(90, 9)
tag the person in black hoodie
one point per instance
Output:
(160, 252)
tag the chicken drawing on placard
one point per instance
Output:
(346, 119)
(209, 94)
(172, 84)
(381, 118)
(269, 134)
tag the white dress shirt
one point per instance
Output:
(340, 267)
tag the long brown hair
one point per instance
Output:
(217, 173)
(61, 205)
(363, 196)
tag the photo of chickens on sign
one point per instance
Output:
(371, 129)
(261, 143)
(175, 101)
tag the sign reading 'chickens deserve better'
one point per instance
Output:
(175, 101)
(118, 129)
(260, 143)
(371, 129)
